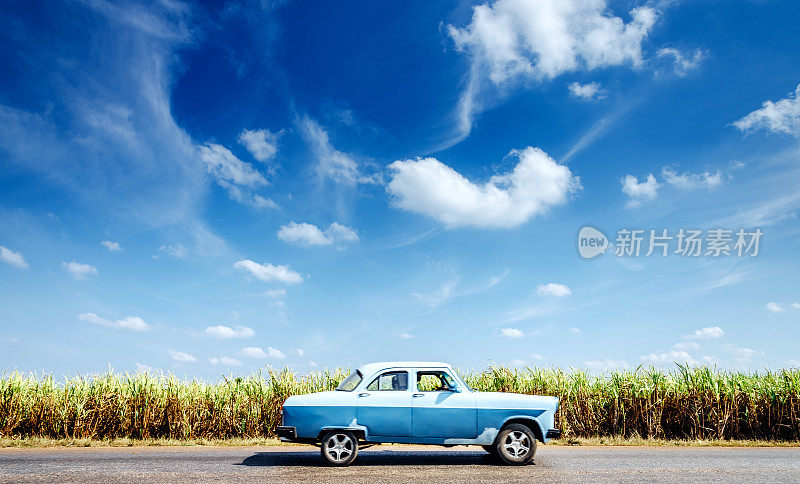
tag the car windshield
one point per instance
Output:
(463, 381)
(351, 382)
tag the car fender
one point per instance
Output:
(531, 422)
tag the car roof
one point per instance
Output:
(371, 368)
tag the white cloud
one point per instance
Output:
(775, 307)
(270, 273)
(690, 181)
(261, 143)
(682, 64)
(686, 345)
(300, 352)
(405, 336)
(517, 362)
(745, 352)
(111, 246)
(741, 354)
(511, 41)
(134, 323)
(431, 188)
(136, 163)
(14, 258)
(587, 92)
(224, 165)
(275, 293)
(538, 357)
(310, 235)
(553, 289)
(181, 356)
(143, 367)
(671, 356)
(780, 117)
(274, 353)
(253, 352)
(226, 332)
(332, 164)
(706, 333)
(574, 330)
(247, 198)
(607, 364)
(224, 361)
(79, 271)
(796, 305)
(512, 333)
(256, 352)
(233, 174)
(639, 191)
(175, 250)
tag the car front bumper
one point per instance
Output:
(553, 433)
(286, 433)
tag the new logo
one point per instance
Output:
(591, 242)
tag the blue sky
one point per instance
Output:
(211, 188)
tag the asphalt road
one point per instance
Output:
(400, 463)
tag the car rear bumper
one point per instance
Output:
(286, 433)
(553, 434)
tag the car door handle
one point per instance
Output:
(418, 395)
(363, 394)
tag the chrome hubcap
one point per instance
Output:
(339, 447)
(517, 444)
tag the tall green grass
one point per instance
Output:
(685, 403)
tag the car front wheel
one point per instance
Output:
(515, 444)
(339, 447)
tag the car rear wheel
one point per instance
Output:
(515, 444)
(339, 447)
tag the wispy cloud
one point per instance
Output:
(682, 63)
(774, 307)
(511, 332)
(588, 92)
(115, 115)
(306, 234)
(181, 356)
(258, 353)
(261, 143)
(14, 258)
(111, 246)
(133, 323)
(226, 332)
(332, 164)
(553, 289)
(224, 361)
(269, 273)
(706, 333)
(781, 116)
(80, 271)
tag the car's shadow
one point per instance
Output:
(374, 458)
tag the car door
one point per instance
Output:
(441, 409)
(384, 405)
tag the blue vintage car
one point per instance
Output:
(419, 403)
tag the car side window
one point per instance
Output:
(434, 381)
(390, 381)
